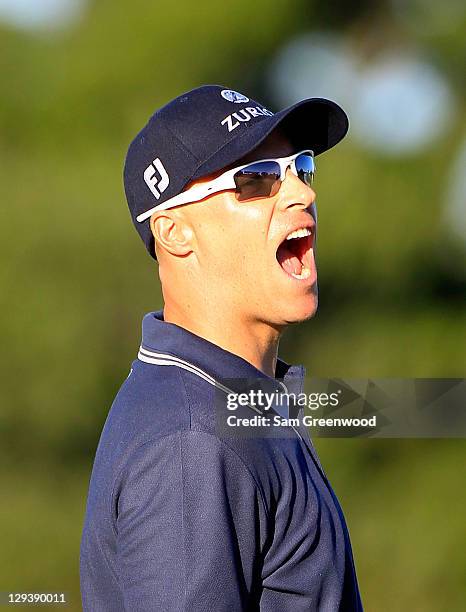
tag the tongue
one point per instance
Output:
(289, 261)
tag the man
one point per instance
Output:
(182, 515)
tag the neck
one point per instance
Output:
(255, 341)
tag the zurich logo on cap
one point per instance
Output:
(233, 96)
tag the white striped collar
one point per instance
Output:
(167, 342)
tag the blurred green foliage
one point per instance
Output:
(76, 282)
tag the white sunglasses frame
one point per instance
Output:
(221, 183)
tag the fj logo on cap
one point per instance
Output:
(233, 96)
(156, 175)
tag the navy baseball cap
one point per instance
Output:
(207, 129)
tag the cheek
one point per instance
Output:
(232, 240)
(249, 223)
(237, 238)
(249, 242)
(217, 249)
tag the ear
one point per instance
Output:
(172, 233)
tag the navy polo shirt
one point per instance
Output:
(182, 518)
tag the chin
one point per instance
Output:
(303, 313)
(298, 310)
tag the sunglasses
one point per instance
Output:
(259, 179)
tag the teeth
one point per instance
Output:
(305, 273)
(299, 233)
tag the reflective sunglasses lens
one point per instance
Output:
(305, 168)
(258, 180)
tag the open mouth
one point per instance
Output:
(294, 253)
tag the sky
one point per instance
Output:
(39, 13)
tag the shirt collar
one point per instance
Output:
(165, 338)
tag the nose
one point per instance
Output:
(293, 192)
